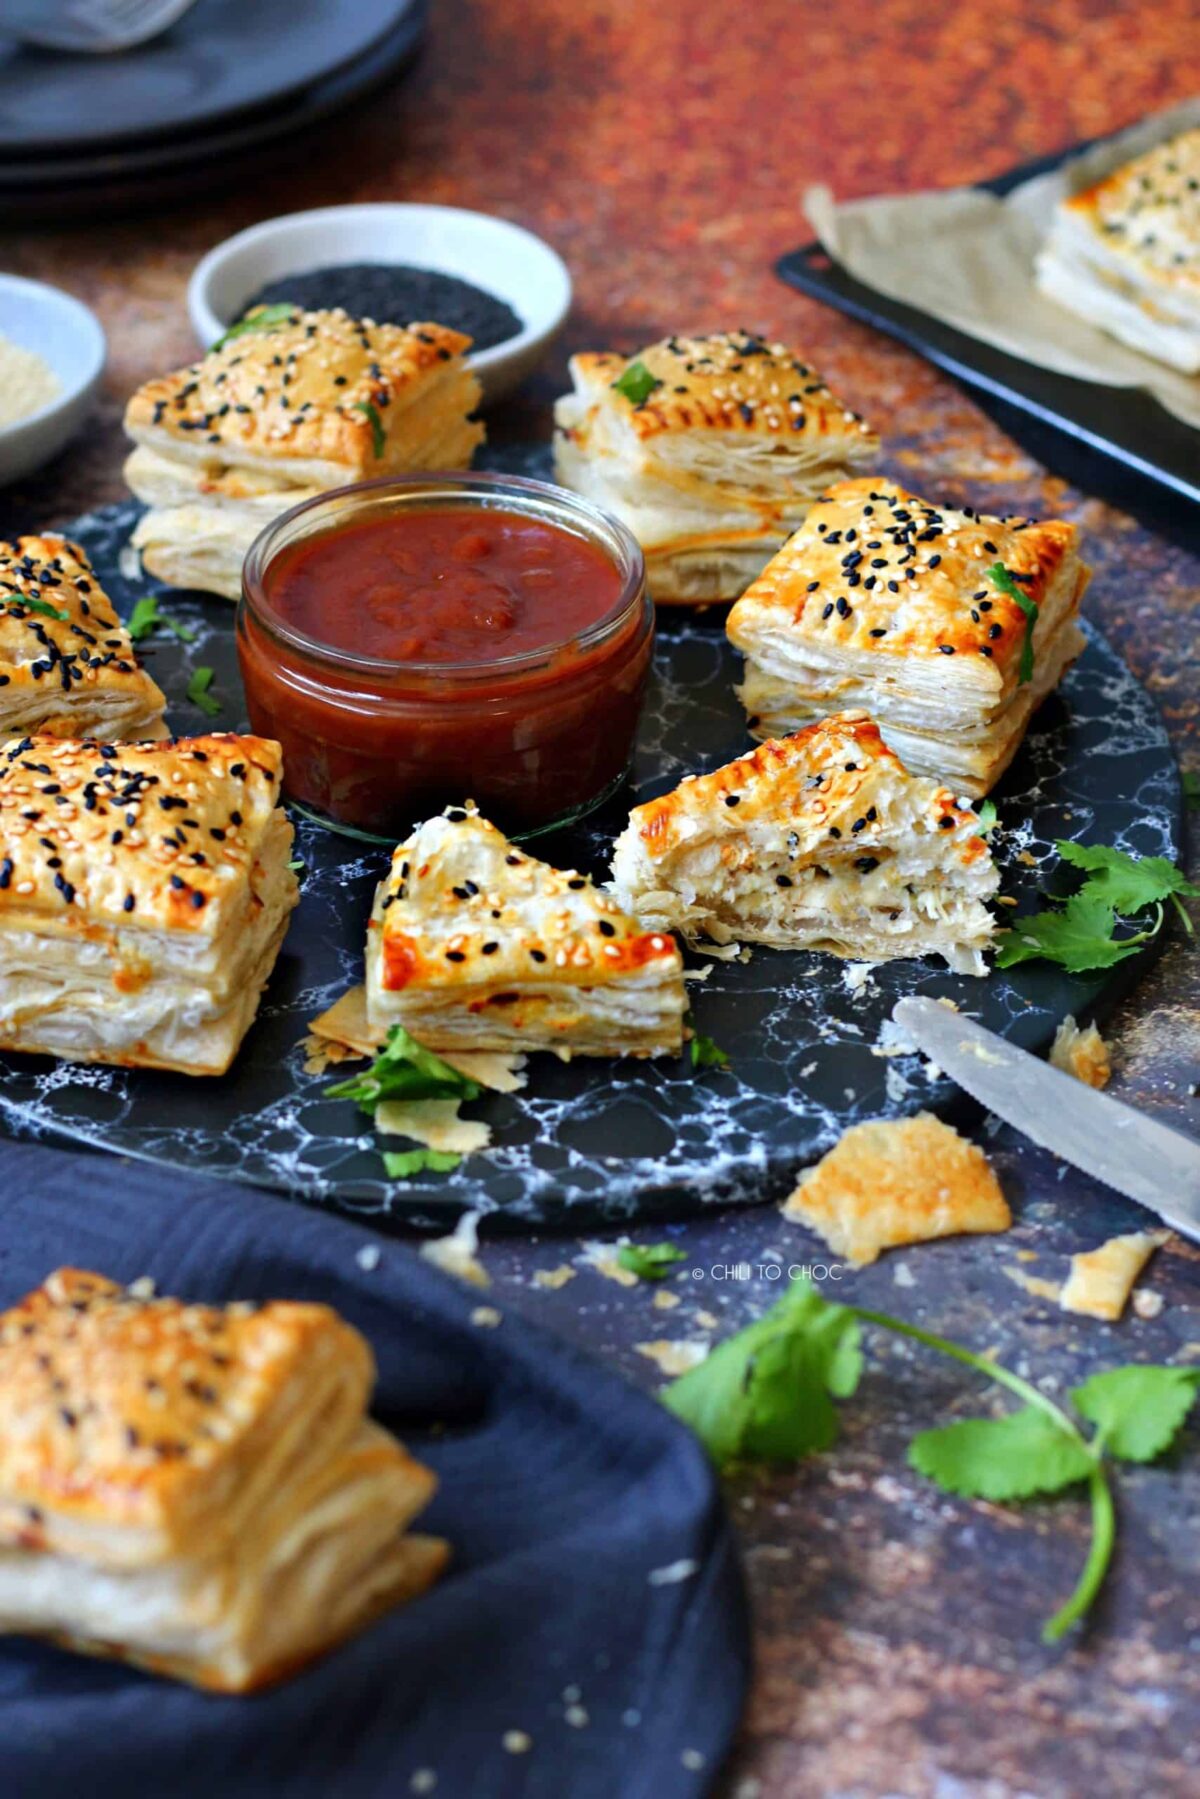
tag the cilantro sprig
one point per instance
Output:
(27, 603)
(263, 318)
(405, 1069)
(378, 434)
(197, 691)
(705, 1053)
(1003, 578)
(636, 382)
(767, 1394)
(1080, 933)
(146, 618)
(649, 1261)
(402, 1164)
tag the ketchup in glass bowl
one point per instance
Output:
(416, 642)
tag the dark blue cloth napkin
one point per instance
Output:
(594, 1602)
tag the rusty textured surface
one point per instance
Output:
(662, 149)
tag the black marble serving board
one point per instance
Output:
(628, 1140)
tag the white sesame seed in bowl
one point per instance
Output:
(52, 353)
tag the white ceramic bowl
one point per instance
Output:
(69, 338)
(501, 258)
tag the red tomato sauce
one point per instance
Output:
(443, 586)
(507, 663)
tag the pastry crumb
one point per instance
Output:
(1101, 1279)
(1083, 1054)
(895, 1181)
(673, 1358)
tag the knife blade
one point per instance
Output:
(1145, 1160)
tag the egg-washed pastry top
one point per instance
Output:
(474, 943)
(196, 1488)
(1125, 252)
(144, 892)
(67, 665)
(314, 397)
(820, 840)
(709, 448)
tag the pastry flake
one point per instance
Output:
(819, 841)
(67, 664)
(473, 944)
(889, 602)
(1102, 1279)
(709, 448)
(895, 1181)
(1124, 253)
(278, 413)
(1082, 1053)
(194, 1488)
(144, 894)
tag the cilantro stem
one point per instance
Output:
(1104, 1536)
(1104, 1523)
(981, 1363)
(1182, 911)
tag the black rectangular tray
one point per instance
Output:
(1113, 441)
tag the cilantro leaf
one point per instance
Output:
(1012, 1457)
(1002, 578)
(1080, 937)
(378, 433)
(146, 618)
(650, 1261)
(263, 318)
(1191, 789)
(705, 1053)
(987, 817)
(765, 1394)
(43, 608)
(401, 1163)
(197, 691)
(636, 382)
(1126, 883)
(1137, 1410)
(404, 1069)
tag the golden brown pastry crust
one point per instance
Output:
(301, 394)
(875, 568)
(730, 381)
(136, 1412)
(159, 836)
(890, 1182)
(72, 676)
(1147, 215)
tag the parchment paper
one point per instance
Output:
(966, 257)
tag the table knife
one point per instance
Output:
(1158, 1167)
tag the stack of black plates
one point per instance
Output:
(93, 133)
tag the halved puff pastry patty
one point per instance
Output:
(197, 1488)
(820, 841)
(475, 944)
(144, 893)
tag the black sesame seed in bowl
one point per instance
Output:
(395, 294)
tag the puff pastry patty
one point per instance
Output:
(144, 892)
(67, 666)
(715, 464)
(196, 1488)
(1125, 253)
(317, 396)
(818, 841)
(887, 601)
(475, 944)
